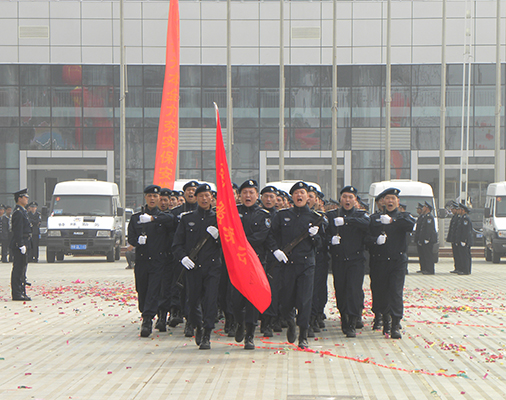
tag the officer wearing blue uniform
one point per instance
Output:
(149, 231)
(346, 233)
(388, 238)
(20, 246)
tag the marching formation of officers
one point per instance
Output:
(180, 275)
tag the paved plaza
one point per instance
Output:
(79, 339)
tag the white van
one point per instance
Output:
(412, 193)
(85, 217)
(494, 222)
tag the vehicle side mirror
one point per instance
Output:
(120, 211)
(487, 213)
(43, 211)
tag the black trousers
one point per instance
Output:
(164, 302)
(320, 290)
(390, 289)
(5, 250)
(456, 256)
(348, 282)
(243, 309)
(18, 274)
(225, 291)
(297, 292)
(274, 276)
(178, 295)
(426, 258)
(373, 276)
(35, 247)
(202, 284)
(464, 259)
(148, 277)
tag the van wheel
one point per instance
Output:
(488, 254)
(60, 256)
(496, 257)
(110, 255)
(117, 253)
(50, 256)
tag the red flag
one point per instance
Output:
(244, 268)
(168, 125)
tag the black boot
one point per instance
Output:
(239, 332)
(276, 325)
(198, 335)
(303, 344)
(175, 317)
(229, 320)
(377, 324)
(344, 323)
(266, 323)
(206, 340)
(290, 332)
(188, 329)
(320, 318)
(387, 324)
(248, 340)
(310, 332)
(314, 324)
(352, 323)
(396, 332)
(146, 327)
(232, 330)
(161, 321)
(283, 322)
(360, 323)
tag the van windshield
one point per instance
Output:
(81, 205)
(500, 206)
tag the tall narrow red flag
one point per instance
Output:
(168, 125)
(244, 268)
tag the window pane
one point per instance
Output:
(190, 76)
(425, 138)
(34, 75)
(245, 76)
(214, 76)
(368, 75)
(8, 74)
(269, 76)
(426, 103)
(426, 74)
(98, 75)
(67, 106)
(154, 75)
(245, 151)
(66, 75)
(304, 138)
(304, 75)
(401, 75)
(9, 151)
(9, 106)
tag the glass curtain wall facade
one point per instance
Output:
(75, 107)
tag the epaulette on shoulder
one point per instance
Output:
(284, 209)
(265, 211)
(319, 213)
(184, 213)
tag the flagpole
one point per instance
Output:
(388, 94)
(122, 123)
(281, 92)
(333, 184)
(230, 115)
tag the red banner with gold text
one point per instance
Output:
(244, 268)
(168, 126)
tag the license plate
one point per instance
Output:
(77, 247)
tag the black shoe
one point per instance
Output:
(320, 319)
(188, 330)
(313, 325)
(146, 327)
(463, 273)
(161, 321)
(454, 272)
(303, 344)
(428, 273)
(239, 332)
(198, 335)
(283, 322)
(206, 340)
(232, 330)
(249, 344)
(387, 324)
(21, 298)
(28, 284)
(344, 323)
(175, 317)
(396, 333)
(310, 332)
(352, 324)
(266, 324)
(378, 322)
(276, 325)
(360, 323)
(228, 321)
(419, 271)
(290, 332)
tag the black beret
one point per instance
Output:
(299, 185)
(455, 204)
(320, 195)
(33, 204)
(393, 191)
(311, 188)
(214, 193)
(464, 207)
(203, 188)
(180, 193)
(174, 193)
(403, 205)
(190, 184)
(269, 189)
(165, 192)
(428, 205)
(152, 189)
(419, 206)
(380, 196)
(234, 186)
(250, 183)
(20, 193)
(349, 189)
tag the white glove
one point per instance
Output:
(213, 231)
(187, 263)
(385, 219)
(22, 249)
(426, 241)
(280, 256)
(142, 239)
(313, 230)
(339, 221)
(144, 218)
(461, 243)
(381, 239)
(336, 240)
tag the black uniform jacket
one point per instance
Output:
(452, 229)
(352, 233)
(192, 227)
(35, 220)
(21, 228)
(256, 222)
(159, 232)
(288, 224)
(396, 243)
(425, 230)
(183, 208)
(464, 231)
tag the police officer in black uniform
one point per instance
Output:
(20, 246)
(425, 238)
(297, 274)
(451, 236)
(35, 220)
(346, 233)
(203, 275)
(388, 236)
(464, 240)
(149, 231)
(256, 223)
(4, 236)
(178, 296)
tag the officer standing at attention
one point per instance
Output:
(256, 223)
(4, 236)
(464, 240)
(35, 219)
(348, 228)
(199, 229)
(452, 231)
(2, 212)
(388, 235)
(20, 246)
(297, 226)
(425, 238)
(149, 231)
